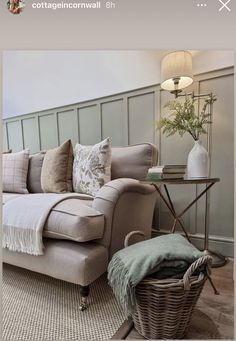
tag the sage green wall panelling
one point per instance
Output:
(68, 126)
(48, 131)
(14, 130)
(89, 124)
(141, 109)
(4, 137)
(222, 158)
(113, 121)
(30, 132)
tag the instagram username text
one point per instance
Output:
(71, 5)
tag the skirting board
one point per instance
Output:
(221, 245)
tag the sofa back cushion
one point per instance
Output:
(133, 161)
(56, 174)
(14, 172)
(34, 172)
(127, 162)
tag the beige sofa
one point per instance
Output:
(81, 236)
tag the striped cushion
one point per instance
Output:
(14, 172)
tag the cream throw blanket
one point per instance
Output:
(24, 218)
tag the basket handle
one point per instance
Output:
(200, 261)
(129, 235)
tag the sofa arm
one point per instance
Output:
(127, 205)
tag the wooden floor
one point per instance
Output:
(213, 317)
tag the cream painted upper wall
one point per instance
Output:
(204, 61)
(37, 80)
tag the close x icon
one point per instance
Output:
(224, 5)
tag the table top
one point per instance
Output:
(184, 181)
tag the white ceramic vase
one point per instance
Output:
(198, 161)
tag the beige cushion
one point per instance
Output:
(34, 172)
(76, 220)
(92, 167)
(133, 161)
(14, 172)
(56, 175)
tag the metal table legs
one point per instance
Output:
(218, 260)
(170, 206)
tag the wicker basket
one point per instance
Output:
(165, 307)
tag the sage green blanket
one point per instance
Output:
(166, 256)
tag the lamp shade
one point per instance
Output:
(176, 68)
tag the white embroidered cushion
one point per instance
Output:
(91, 167)
(14, 172)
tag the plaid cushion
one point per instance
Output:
(14, 172)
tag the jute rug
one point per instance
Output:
(38, 307)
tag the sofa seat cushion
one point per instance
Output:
(79, 263)
(72, 219)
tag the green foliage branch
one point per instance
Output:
(184, 119)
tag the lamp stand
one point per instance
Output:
(176, 91)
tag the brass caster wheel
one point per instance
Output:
(83, 304)
(82, 307)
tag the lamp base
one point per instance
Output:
(176, 92)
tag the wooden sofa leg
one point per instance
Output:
(84, 292)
